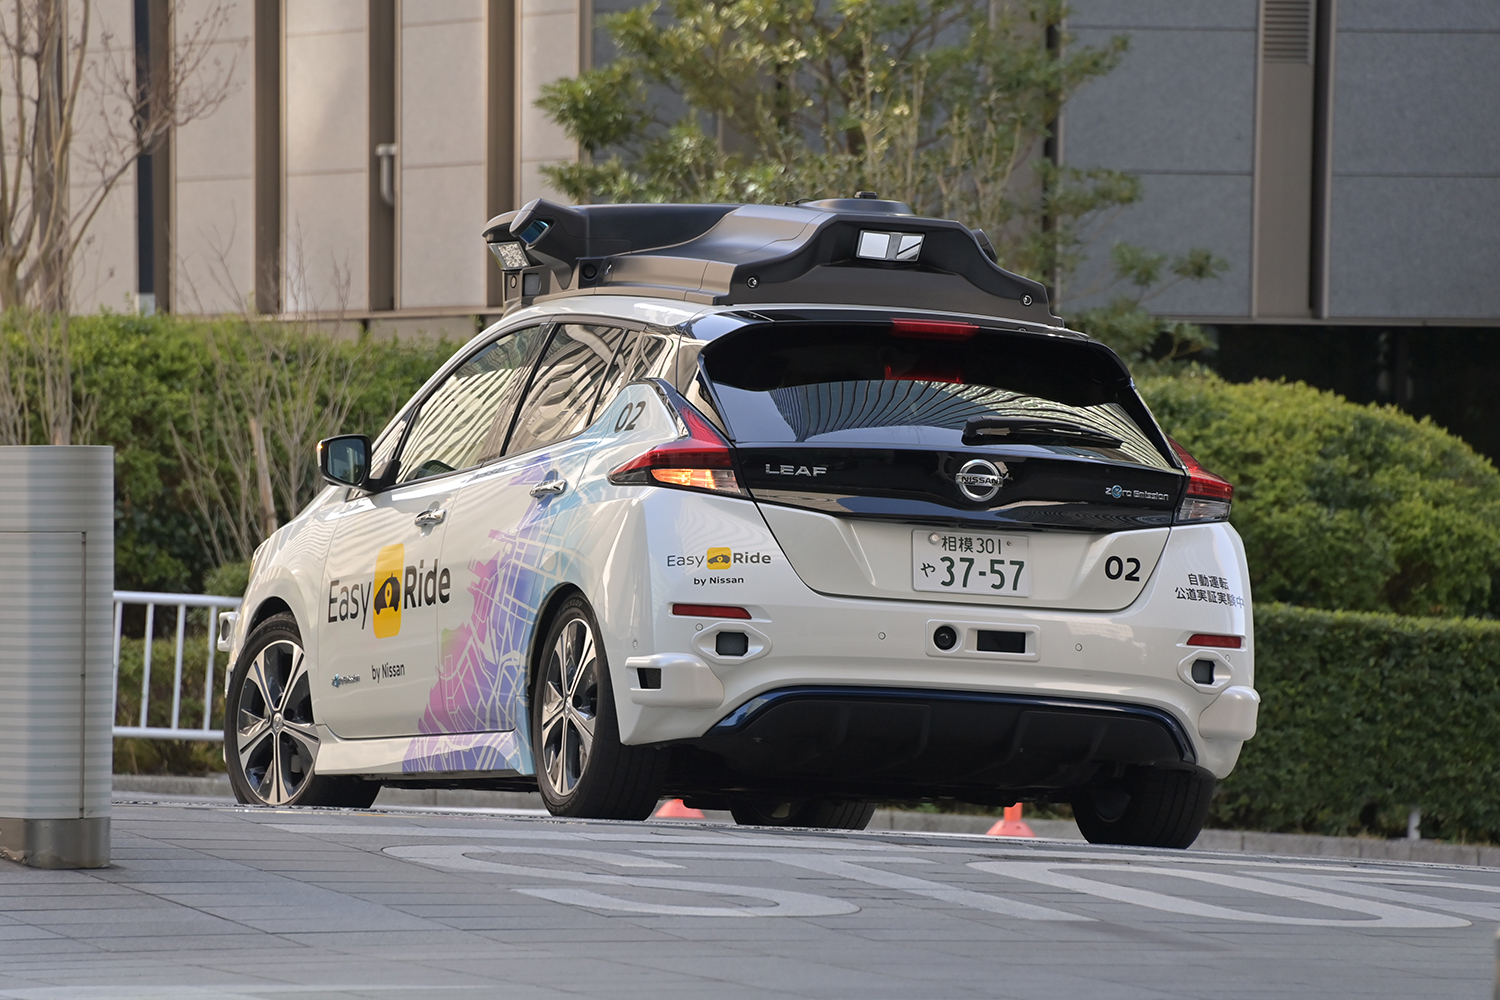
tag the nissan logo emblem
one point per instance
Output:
(980, 479)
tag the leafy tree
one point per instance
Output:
(942, 104)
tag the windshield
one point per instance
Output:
(866, 384)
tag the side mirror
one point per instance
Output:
(345, 460)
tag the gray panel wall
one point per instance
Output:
(1415, 208)
(1180, 113)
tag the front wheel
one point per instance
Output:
(1146, 807)
(270, 744)
(582, 768)
(823, 814)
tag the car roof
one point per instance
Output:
(711, 322)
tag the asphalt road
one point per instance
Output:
(218, 901)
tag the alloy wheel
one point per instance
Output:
(276, 742)
(570, 703)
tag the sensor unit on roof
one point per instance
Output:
(889, 246)
(510, 255)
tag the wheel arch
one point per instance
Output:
(266, 609)
(545, 614)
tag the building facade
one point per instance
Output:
(1343, 156)
(351, 166)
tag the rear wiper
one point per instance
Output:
(1030, 430)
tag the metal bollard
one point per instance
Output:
(56, 706)
(1497, 965)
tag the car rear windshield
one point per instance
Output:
(927, 385)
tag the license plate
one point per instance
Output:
(970, 562)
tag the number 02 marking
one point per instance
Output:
(629, 416)
(1114, 568)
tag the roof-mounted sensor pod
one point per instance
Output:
(889, 246)
(749, 254)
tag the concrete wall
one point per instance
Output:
(549, 44)
(104, 266)
(1415, 207)
(441, 200)
(1413, 184)
(214, 157)
(327, 155)
(1179, 112)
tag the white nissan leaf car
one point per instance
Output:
(780, 510)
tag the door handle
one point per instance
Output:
(431, 518)
(548, 487)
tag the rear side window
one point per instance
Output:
(561, 399)
(877, 385)
(464, 420)
(642, 355)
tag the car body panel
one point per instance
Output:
(867, 558)
(830, 599)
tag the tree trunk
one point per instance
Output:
(263, 477)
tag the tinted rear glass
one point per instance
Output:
(861, 384)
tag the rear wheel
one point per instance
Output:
(825, 814)
(1146, 807)
(582, 768)
(270, 743)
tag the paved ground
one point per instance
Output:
(213, 900)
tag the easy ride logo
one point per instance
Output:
(387, 609)
(395, 586)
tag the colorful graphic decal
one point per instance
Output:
(480, 692)
(466, 752)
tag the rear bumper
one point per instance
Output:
(875, 743)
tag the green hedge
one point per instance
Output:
(142, 378)
(1364, 716)
(1342, 506)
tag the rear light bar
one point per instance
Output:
(1208, 496)
(1216, 641)
(699, 460)
(928, 329)
(709, 611)
(928, 373)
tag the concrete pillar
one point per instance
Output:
(56, 684)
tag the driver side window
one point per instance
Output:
(465, 419)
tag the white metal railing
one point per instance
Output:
(182, 602)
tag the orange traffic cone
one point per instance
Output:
(674, 809)
(1011, 825)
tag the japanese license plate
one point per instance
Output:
(970, 562)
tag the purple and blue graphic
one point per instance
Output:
(476, 715)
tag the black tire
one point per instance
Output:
(582, 768)
(1147, 807)
(820, 814)
(270, 746)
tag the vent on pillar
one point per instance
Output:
(1286, 34)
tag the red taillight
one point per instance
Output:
(1217, 641)
(926, 373)
(709, 611)
(928, 329)
(1201, 482)
(699, 461)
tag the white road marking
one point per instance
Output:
(784, 902)
(1387, 916)
(1358, 885)
(647, 836)
(889, 880)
